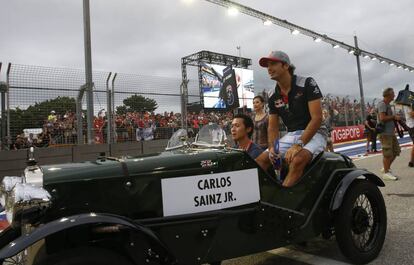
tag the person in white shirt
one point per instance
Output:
(409, 119)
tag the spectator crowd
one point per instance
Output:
(61, 128)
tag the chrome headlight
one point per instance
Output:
(33, 175)
(20, 198)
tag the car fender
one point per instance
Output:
(24, 241)
(346, 181)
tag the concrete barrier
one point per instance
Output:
(12, 163)
(132, 149)
(149, 147)
(88, 152)
(57, 155)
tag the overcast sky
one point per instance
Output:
(151, 36)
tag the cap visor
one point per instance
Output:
(263, 62)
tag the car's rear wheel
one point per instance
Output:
(361, 222)
(85, 256)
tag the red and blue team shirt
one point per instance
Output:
(293, 108)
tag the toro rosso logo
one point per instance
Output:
(279, 103)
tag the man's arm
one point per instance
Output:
(384, 117)
(272, 129)
(315, 110)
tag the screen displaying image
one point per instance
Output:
(212, 83)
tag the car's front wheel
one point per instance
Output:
(361, 222)
(85, 256)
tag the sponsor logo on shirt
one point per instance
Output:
(279, 103)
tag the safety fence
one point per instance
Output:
(46, 106)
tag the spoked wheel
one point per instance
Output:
(19, 259)
(361, 222)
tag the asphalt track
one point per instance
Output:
(399, 199)
(357, 148)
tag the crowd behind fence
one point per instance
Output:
(42, 108)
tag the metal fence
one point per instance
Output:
(46, 103)
(42, 102)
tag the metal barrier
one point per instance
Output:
(47, 103)
(12, 163)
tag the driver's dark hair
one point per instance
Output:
(248, 122)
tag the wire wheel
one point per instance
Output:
(364, 223)
(361, 222)
(19, 259)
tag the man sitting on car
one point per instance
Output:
(297, 101)
(241, 131)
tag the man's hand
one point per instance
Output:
(397, 117)
(272, 154)
(291, 152)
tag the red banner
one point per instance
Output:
(348, 133)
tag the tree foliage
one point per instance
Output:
(35, 115)
(137, 103)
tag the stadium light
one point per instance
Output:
(232, 11)
(267, 22)
(366, 56)
(392, 64)
(351, 51)
(317, 39)
(373, 58)
(187, 2)
(296, 29)
(399, 67)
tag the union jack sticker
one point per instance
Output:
(206, 163)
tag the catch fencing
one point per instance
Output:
(48, 104)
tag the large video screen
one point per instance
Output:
(212, 83)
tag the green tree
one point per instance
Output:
(36, 115)
(138, 103)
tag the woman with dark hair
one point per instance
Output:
(261, 120)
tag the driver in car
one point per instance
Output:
(241, 132)
(297, 101)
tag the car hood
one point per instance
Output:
(131, 166)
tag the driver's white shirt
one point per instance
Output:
(409, 120)
(218, 135)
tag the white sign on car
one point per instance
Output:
(200, 193)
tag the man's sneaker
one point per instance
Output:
(388, 176)
(411, 164)
(389, 170)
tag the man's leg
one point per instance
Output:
(296, 167)
(374, 141)
(411, 163)
(387, 161)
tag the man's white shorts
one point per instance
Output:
(316, 145)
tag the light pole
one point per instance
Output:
(361, 88)
(88, 69)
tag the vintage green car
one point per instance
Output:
(194, 203)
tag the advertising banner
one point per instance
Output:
(347, 133)
(201, 193)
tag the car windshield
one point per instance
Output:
(210, 135)
(177, 140)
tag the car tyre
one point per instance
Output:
(361, 222)
(85, 256)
